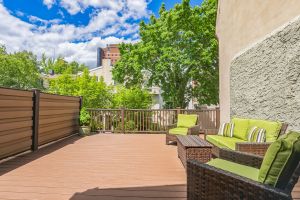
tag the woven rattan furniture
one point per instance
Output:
(249, 147)
(193, 147)
(207, 182)
(193, 130)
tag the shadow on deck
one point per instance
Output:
(102, 166)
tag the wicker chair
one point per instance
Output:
(207, 182)
(248, 147)
(193, 130)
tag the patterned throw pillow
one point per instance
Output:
(256, 134)
(226, 130)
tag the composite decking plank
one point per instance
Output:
(107, 166)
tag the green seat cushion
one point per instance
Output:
(241, 170)
(178, 131)
(280, 160)
(240, 128)
(272, 128)
(186, 121)
(223, 142)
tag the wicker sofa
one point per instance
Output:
(273, 131)
(208, 182)
(186, 125)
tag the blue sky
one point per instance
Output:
(73, 28)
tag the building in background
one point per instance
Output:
(111, 51)
(103, 71)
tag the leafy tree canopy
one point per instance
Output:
(132, 98)
(178, 52)
(96, 94)
(19, 70)
(59, 66)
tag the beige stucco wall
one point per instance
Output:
(104, 71)
(240, 23)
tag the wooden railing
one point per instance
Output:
(147, 121)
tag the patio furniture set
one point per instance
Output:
(244, 159)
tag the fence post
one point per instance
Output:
(122, 119)
(80, 107)
(217, 117)
(36, 111)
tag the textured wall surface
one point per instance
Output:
(265, 79)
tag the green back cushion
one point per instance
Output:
(178, 131)
(279, 161)
(272, 128)
(240, 128)
(186, 120)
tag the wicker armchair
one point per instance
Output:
(207, 182)
(193, 130)
(248, 147)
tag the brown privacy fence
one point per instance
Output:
(147, 120)
(29, 119)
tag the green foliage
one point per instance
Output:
(95, 94)
(131, 98)
(19, 70)
(60, 66)
(85, 117)
(177, 49)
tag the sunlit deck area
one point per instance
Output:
(102, 166)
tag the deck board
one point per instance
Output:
(103, 166)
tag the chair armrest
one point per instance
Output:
(171, 126)
(207, 182)
(253, 147)
(241, 157)
(194, 130)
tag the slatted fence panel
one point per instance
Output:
(16, 112)
(58, 117)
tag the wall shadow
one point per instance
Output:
(23, 159)
(165, 192)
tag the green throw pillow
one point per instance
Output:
(240, 128)
(186, 121)
(272, 128)
(256, 134)
(226, 130)
(280, 160)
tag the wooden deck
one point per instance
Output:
(103, 166)
(97, 167)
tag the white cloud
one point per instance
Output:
(49, 3)
(54, 38)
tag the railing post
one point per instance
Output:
(122, 119)
(36, 111)
(178, 110)
(217, 117)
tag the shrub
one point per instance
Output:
(85, 117)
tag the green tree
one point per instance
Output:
(59, 65)
(178, 51)
(19, 70)
(96, 94)
(131, 98)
